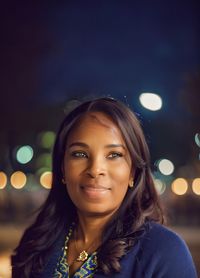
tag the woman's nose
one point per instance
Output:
(96, 167)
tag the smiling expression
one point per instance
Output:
(97, 165)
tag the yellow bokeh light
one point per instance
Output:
(196, 186)
(180, 186)
(18, 179)
(46, 179)
(3, 180)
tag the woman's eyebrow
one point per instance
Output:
(115, 146)
(78, 144)
(81, 144)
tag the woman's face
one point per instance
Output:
(97, 165)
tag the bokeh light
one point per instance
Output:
(197, 139)
(46, 179)
(18, 179)
(151, 101)
(44, 160)
(24, 154)
(196, 186)
(40, 171)
(166, 167)
(3, 180)
(180, 186)
(160, 186)
(46, 139)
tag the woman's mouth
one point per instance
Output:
(95, 191)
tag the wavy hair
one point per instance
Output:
(140, 203)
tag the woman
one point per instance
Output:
(102, 217)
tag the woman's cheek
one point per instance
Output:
(121, 172)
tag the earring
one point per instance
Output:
(63, 181)
(131, 184)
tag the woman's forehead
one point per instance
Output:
(99, 118)
(95, 121)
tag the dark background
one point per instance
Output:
(51, 52)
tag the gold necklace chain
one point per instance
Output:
(83, 255)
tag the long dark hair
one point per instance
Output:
(139, 205)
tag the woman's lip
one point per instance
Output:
(94, 187)
(95, 192)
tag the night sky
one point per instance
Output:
(52, 52)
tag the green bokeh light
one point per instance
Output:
(44, 160)
(24, 154)
(46, 139)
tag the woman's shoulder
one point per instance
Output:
(161, 240)
(157, 233)
(157, 252)
(162, 250)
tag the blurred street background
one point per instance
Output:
(56, 54)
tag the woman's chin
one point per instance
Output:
(96, 211)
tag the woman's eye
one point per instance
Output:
(78, 154)
(115, 155)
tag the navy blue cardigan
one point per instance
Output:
(158, 253)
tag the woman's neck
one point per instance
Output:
(90, 228)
